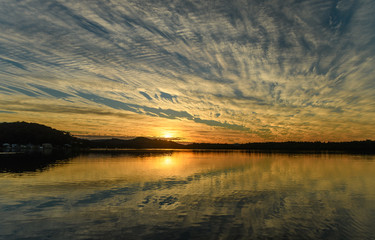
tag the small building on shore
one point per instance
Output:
(6, 145)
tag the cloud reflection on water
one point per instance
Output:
(196, 194)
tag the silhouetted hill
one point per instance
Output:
(139, 142)
(25, 133)
(33, 133)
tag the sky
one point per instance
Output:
(231, 71)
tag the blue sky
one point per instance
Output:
(227, 71)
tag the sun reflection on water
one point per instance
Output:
(189, 191)
(168, 161)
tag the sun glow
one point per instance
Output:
(168, 135)
(168, 161)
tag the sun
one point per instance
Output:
(168, 135)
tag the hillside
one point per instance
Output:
(139, 142)
(33, 133)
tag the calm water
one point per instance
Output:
(192, 195)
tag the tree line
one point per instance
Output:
(33, 133)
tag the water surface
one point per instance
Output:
(192, 195)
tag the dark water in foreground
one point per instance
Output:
(192, 195)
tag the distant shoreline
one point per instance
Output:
(162, 150)
(24, 137)
(115, 151)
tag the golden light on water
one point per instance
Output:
(267, 192)
(168, 161)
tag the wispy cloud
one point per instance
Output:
(276, 69)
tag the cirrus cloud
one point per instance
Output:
(271, 70)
